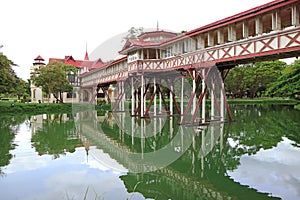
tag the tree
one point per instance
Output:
(260, 75)
(234, 82)
(253, 79)
(53, 79)
(7, 76)
(133, 33)
(288, 84)
(56, 137)
(22, 89)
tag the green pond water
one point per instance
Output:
(89, 156)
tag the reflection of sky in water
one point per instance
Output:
(275, 170)
(67, 177)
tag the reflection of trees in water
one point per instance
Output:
(256, 127)
(8, 127)
(263, 126)
(57, 136)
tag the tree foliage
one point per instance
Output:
(10, 84)
(53, 79)
(133, 33)
(56, 137)
(288, 84)
(253, 80)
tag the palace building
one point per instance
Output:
(83, 66)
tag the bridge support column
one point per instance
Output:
(171, 99)
(160, 103)
(155, 96)
(194, 91)
(142, 96)
(171, 127)
(121, 96)
(212, 102)
(124, 96)
(142, 137)
(222, 102)
(145, 99)
(221, 137)
(203, 150)
(181, 96)
(136, 99)
(204, 97)
(193, 153)
(132, 97)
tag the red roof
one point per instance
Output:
(137, 43)
(243, 15)
(39, 58)
(97, 66)
(234, 18)
(69, 60)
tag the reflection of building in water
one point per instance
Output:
(198, 173)
(36, 122)
(144, 137)
(169, 183)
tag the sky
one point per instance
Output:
(55, 28)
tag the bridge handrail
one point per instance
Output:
(209, 54)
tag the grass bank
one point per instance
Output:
(17, 107)
(264, 101)
(10, 107)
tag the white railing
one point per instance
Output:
(274, 43)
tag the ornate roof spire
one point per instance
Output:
(86, 57)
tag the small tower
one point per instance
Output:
(38, 61)
(36, 92)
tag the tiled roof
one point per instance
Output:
(39, 58)
(69, 60)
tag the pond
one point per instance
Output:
(89, 156)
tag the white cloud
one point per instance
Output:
(274, 171)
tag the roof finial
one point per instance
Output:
(157, 26)
(86, 57)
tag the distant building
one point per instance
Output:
(36, 92)
(83, 66)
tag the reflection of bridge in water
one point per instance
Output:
(130, 147)
(194, 175)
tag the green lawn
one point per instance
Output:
(12, 107)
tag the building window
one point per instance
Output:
(186, 46)
(34, 93)
(71, 78)
(71, 95)
(168, 52)
(100, 95)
